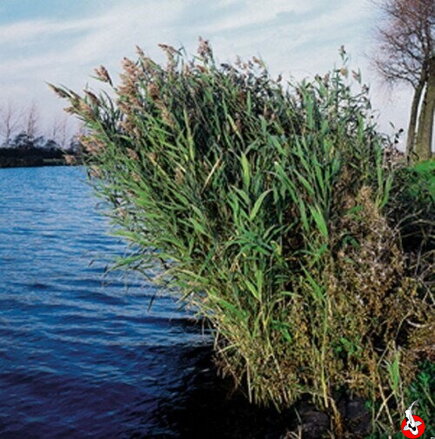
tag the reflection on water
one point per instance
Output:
(80, 354)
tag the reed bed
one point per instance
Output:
(266, 204)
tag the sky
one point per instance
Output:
(62, 41)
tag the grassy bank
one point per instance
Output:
(270, 207)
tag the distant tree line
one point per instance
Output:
(23, 143)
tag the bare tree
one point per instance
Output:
(10, 118)
(406, 48)
(60, 130)
(31, 120)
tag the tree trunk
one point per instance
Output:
(423, 147)
(410, 140)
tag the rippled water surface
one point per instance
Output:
(80, 354)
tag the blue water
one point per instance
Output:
(80, 353)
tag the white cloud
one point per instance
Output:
(26, 31)
(256, 12)
(300, 37)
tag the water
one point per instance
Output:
(80, 353)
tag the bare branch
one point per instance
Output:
(31, 120)
(10, 117)
(406, 39)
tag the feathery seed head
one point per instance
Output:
(103, 75)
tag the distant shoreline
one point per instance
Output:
(34, 157)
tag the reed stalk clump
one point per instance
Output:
(265, 204)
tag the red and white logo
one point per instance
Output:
(412, 426)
